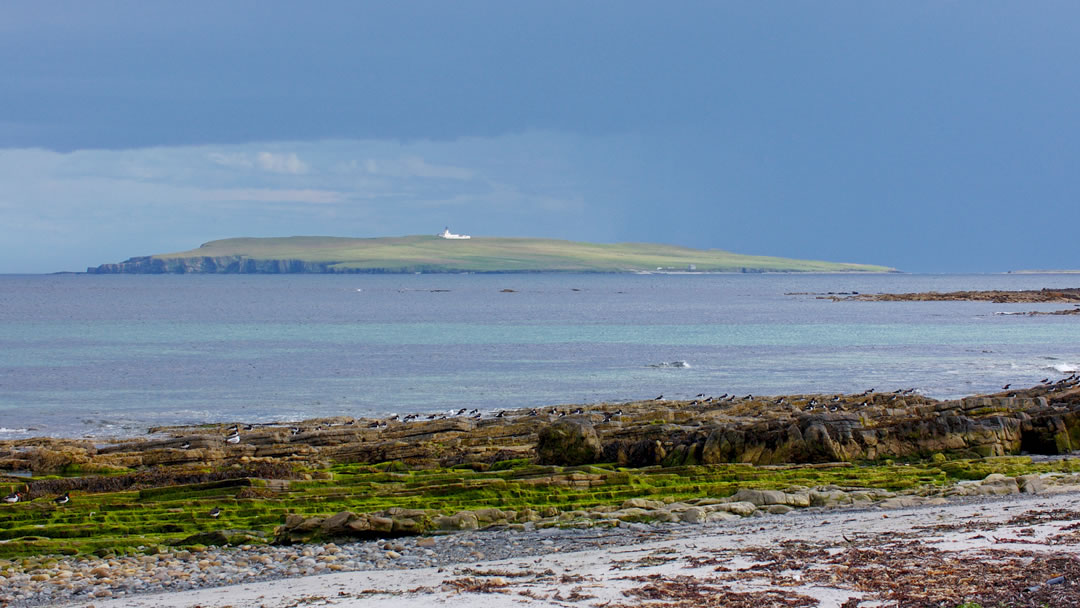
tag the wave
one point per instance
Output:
(1064, 368)
(679, 364)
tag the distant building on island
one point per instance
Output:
(446, 234)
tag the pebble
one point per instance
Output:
(66, 579)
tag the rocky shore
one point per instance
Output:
(903, 553)
(1070, 295)
(751, 429)
(189, 507)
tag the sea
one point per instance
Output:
(116, 355)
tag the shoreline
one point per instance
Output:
(831, 558)
(214, 505)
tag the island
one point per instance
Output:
(440, 254)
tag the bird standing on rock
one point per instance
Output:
(215, 512)
(13, 498)
(63, 500)
(234, 438)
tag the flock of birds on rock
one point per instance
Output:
(65, 498)
(15, 497)
(835, 403)
(832, 404)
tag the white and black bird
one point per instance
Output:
(63, 500)
(13, 498)
(234, 438)
(215, 512)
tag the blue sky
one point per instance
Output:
(928, 136)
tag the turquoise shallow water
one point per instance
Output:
(113, 355)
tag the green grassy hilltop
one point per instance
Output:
(480, 254)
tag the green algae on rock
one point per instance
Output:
(394, 478)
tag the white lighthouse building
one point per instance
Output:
(446, 234)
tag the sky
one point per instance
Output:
(926, 136)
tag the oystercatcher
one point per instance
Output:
(234, 438)
(214, 512)
(63, 500)
(14, 497)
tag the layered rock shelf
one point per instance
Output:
(793, 429)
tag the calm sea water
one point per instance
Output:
(101, 355)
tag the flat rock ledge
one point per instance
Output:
(396, 522)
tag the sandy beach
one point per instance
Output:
(1017, 550)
